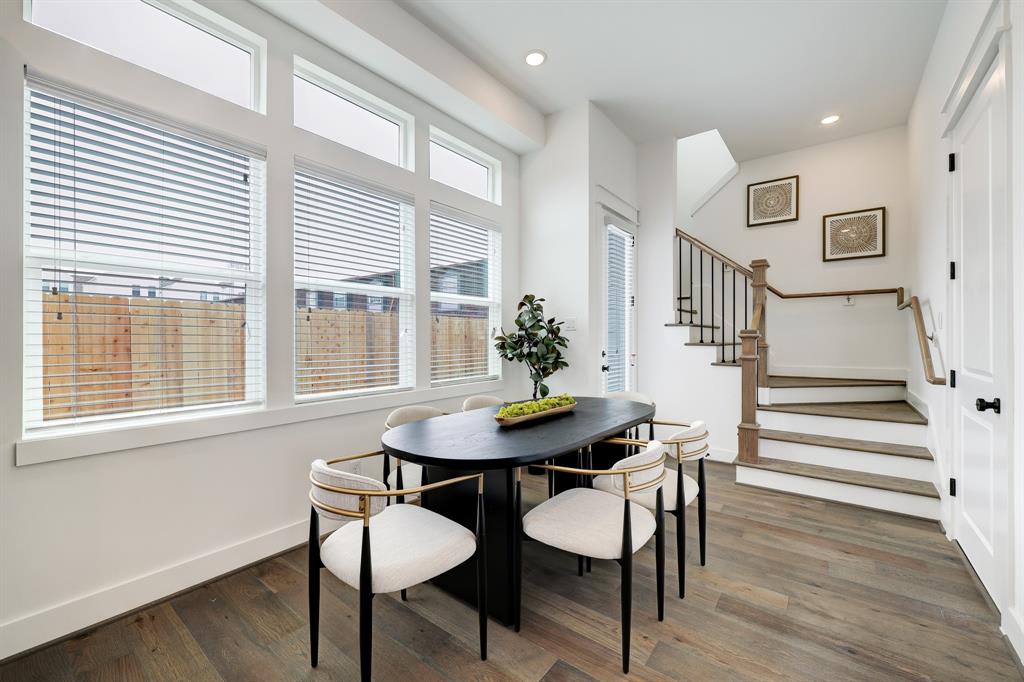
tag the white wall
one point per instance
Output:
(929, 184)
(821, 336)
(87, 538)
(587, 161)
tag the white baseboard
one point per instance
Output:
(722, 455)
(31, 630)
(918, 403)
(899, 373)
(1013, 628)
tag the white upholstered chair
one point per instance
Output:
(406, 474)
(688, 444)
(393, 548)
(475, 402)
(593, 523)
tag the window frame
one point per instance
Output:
(494, 291)
(353, 94)
(206, 20)
(468, 151)
(406, 293)
(37, 259)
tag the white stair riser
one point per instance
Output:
(885, 500)
(851, 460)
(841, 427)
(836, 394)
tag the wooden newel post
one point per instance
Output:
(759, 285)
(749, 429)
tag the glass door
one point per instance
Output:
(619, 361)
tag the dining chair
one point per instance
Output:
(395, 547)
(690, 443)
(593, 523)
(407, 473)
(475, 402)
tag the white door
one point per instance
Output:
(981, 343)
(619, 359)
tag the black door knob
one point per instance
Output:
(983, 405)
(604, 368)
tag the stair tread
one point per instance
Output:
(899, 411)
(895, 449)
(725, 364)
(878, 481)
(780, 381)
(687, 324)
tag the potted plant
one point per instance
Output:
(536, 341)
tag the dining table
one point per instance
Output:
(455, 444)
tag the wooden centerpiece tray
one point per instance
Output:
(512, 421)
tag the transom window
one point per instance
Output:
(354, 285)
(465, 296)
(463, 167)
(330, 107)
(143, 267)
(197, 47)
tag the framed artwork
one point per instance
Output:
(854, 234)
(773, 201)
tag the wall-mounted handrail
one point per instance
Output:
(922, 341)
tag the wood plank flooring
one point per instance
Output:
(794, 589)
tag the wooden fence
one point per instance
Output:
(110, 354)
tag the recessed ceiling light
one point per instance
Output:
(830, 119)
(535, 57)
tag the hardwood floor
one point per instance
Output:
(794, 589)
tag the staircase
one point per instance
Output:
(856, 441)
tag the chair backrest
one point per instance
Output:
(410, 413)
(694, 449)
(324, 473)
(475, 402)
(635, 396)
(651, 453)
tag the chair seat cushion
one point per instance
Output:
(412, 474)
(649, 498)
(588, 522)
(408, 545)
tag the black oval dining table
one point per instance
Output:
(454, 444)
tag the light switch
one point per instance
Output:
(570, 324)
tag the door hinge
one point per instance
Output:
(952, 378)
(952, 487)
(952, 269)
(952, 162)
(632, 301)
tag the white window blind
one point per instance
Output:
(465, 296)
(354, 283)
(620, 310)
(143, 266)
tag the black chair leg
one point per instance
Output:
(680, 532)
(659, 553)
(627, 584)
(405, 596)
(365, 609)
(579, 565)
(481, 575)
(518, 565)
(702, 511)
(588, 564)
(314, 586)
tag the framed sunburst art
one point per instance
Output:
(773, 201)
(854, 234)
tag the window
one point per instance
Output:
(465, 295)
(339, 111)
(198, 48)
(620, 310)
(460, 166)
(354, 284)
(117, 205)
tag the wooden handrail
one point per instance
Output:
(922, 342)
(747, 272)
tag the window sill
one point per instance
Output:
(51, 448)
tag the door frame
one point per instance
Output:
(609, 216)
(991, 46)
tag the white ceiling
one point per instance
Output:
(763, 72)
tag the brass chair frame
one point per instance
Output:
(366, 565)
